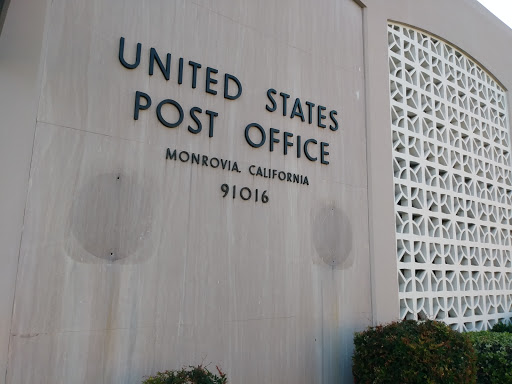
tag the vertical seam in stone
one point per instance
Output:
(41, 72)
(368, 178)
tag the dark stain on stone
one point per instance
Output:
(332, 236)
(111, 216)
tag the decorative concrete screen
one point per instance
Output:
(452, 180)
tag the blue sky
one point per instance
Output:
(501, 8)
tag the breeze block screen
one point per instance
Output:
(452, 180)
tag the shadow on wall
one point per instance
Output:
(4, 4)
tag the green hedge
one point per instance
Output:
(411, 352)
(502, 327)
(191, 375)
(494, 352)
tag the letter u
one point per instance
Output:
(121, 55)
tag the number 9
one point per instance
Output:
(224, 188)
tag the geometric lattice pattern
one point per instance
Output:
(452, 180)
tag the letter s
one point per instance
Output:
(274, 104)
